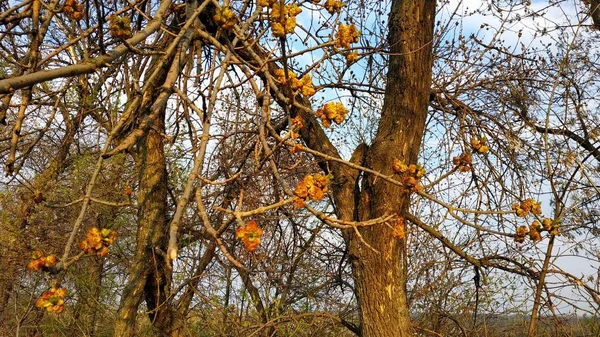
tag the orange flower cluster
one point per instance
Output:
(73, 9)
(332, 111)
(463, 162)
(52, 300)
(535, 230)
(479, 145)
(528, 205)
(297, 122)
(120, 28)
(399, 231)
(225, 18)
(250, 235)
(346, 35)
(283, 18)
(351, 57)
(296, 148)
(41, 262)
(333, 6)
(550, 226)
(303, 85)
(312, 187)
(97, 241)
(411, 174)
(521, 233)
(547, 223)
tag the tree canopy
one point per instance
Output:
(299, 168)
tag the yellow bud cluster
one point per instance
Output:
(296, 148)
(120, 28)
(312, 187)
(250, 235)
(411, 174)
(39, 261)
(521, 233)
(332, 111)
(346, 35)
(333, 6)
(479, 145)
(98, 240)
(267, 3)
(52, 300)
(297, 122)
(351, 57)
(303, 86)
(399, 231)
(463, 162)
(73, 10)
(225, 18)
(535, 230)
(283, 18)
(528, 205)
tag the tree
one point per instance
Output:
(236, 169)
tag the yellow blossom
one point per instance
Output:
(52, 300)
(267, 3)
(526, 206)
(463, 162)
(332, 111)
(410, 174)
(534, 231)
(479, 145)
(120, 28)
(398, 166)
(283, 18)
(250, 235)
(346, 35)
(73, 10)
(333, 6)
(97, 241)
(303, 85)
(297, 122)
(312, 187)
(41, 262)
(225, 18)
(521, 233)
(277, 29)
(351, 57)
(399, 231)
(296, 148)
(547, 224)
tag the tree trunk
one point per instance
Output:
(148, 275)
(379, 276)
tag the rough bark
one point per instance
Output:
(379, 276)
(149, 277)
